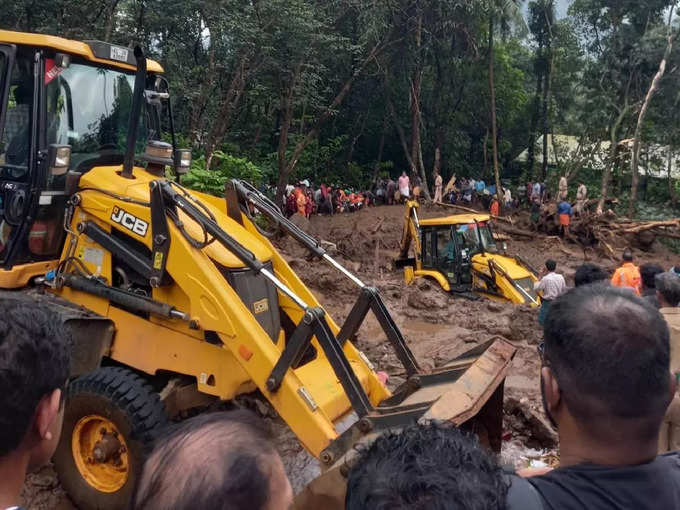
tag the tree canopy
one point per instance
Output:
(348, 90)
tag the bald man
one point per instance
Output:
(221, 461)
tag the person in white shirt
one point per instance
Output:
(581, 198)
(438, 181)
(551, 286)
(507, 197)
(563, 188)
(404, 186)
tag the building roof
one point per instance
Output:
(80, 48)
(565, 148)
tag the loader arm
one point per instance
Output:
(410, 231)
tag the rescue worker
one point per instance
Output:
(563, 188)
(581, 198)
(628, 275)
(564, 212)
(438, 182)
(301, 200)
(494, 208)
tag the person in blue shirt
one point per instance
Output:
(564, 212)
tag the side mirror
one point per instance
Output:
(62, 60)
(182, 161)
(58, 158)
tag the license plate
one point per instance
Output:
(118, 53)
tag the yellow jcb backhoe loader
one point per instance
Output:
(176, 299)
(460, 254)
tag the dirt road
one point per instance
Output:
(437, 327)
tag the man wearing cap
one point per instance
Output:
(668, 293)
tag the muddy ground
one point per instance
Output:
(436, 326)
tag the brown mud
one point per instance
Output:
(437, 327)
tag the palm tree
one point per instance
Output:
(505, 13)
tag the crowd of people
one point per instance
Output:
(609, 366)
(306, 199)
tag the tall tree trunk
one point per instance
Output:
(494, 128)
(402, 137)
(416, 87)
(229, 101)
(635, 156)
(485, 152)
(536, 107)
(613, 151)
(671, 184)
(110, 22)
(546, 112)
(381, 146)
(284, 128)
(548, 10)
(355, 139)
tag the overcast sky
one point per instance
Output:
(562, 6)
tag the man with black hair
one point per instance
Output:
(648, 290)
(627, 276)
(551, 286)
(425, 467)
(606, 384)
(668, 296)
(34, 368)
(589, 273)
(220, 461)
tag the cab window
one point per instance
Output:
(16, 136)
(88, 108)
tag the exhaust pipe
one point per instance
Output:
(135, 112)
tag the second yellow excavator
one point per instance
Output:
(459, 253)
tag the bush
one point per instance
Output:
(224, 168)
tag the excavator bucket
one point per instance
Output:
(467, 392)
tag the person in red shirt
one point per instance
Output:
(628, 275)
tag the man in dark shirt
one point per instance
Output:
(606, 384)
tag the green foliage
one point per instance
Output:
(225, 167)
(241, 72)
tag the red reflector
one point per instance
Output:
(245, 353)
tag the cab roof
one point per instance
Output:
(458, 219)
(94, 51)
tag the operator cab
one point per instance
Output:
(449, 248)
(70, 119)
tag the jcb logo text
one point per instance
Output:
(129, 221)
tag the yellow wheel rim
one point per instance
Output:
(100, 453)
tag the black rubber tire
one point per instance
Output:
(133, 406)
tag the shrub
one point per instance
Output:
(224, 168)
